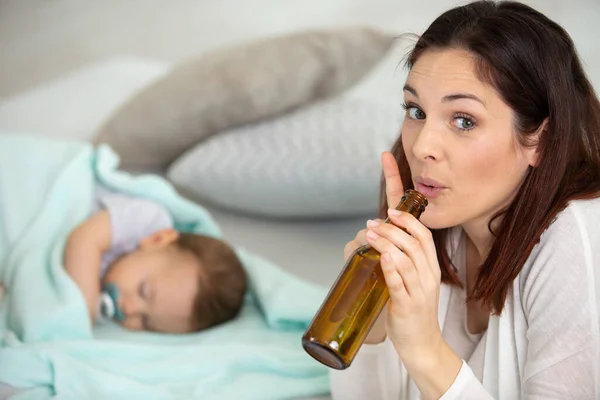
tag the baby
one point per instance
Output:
(160, 279)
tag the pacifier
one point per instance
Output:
(109, 303)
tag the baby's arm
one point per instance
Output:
(83, 256)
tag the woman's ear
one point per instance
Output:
(532, 153)
(159, 239)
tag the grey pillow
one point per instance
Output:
(238, 85)
(319, 161)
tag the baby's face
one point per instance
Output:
(157, 288)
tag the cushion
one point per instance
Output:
(320, 161)
(238, 85)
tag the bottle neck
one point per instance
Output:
(413, 203)
(411, 207)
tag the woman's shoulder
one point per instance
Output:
(568, 250)
(578, 221)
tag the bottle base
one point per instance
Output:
(324, 354)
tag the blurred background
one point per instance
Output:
(270, 113)
(42, 40)
(68, 66)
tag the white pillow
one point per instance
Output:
(319, 161)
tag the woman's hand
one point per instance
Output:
(412, 273)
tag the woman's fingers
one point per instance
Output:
(396, 287)
(408, 245)
(420, 235)
(358, 241)
(393, 183)
(351, 246)
(401, 263)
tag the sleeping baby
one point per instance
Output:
(151, 276)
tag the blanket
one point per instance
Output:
(47, 345)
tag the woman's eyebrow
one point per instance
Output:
(411, 90)
(458, 96)
(447, 98)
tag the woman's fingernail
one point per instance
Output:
(372, 235)
(393, 211)
(372, 223)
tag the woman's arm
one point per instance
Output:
(412, 274)
(83, 256)
(558, 295)
(561, 304)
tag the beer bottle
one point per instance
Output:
(354, 301)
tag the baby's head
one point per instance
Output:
(178, 283)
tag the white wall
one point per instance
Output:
(42, 39)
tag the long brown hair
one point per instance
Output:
(532, 63)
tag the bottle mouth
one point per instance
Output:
(417, 197)
(109, 300)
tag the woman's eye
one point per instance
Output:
(464, 123)
(415, 113)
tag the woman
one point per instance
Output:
(495, 292)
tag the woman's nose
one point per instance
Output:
(427, 144)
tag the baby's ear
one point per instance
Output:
(159, 239)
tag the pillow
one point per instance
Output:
(238, 85)
(323, 160)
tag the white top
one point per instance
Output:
(468, 346)
(544, 345)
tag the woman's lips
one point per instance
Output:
(429, 187)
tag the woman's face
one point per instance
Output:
(459, 141)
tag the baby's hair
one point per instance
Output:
(222, 280)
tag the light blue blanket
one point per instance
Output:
(47, 345)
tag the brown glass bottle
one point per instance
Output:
(354, 301)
